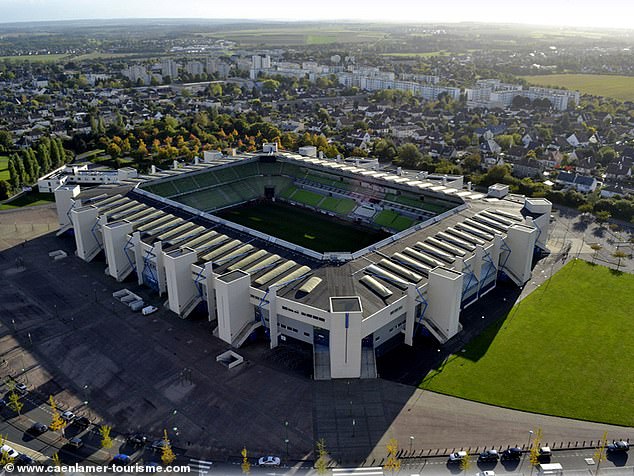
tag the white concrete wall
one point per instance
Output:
(65, 198)
(234, 309)
(180, 286)
(83, 220)
(345, 345)
(521, 240)
(444, 295)
(115, 237)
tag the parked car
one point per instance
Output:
(68, 416)
(81, 423)
(121, 460)
(618, 446)
(486, 473)
(269, 461)
(545, 453)
(21, 388)
(457, 456)
(38, 428)
(24, 460)
(147, 310)
(512, 453)
(137, 439)
(10, 452)
(3, 403)
(489, 455)
(158, 445)
(75, 442)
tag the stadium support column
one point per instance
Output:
(235, 311)
(181, 290)
(210, 278)
(137, 246)
(83, 220)
(115, 236)
(444, 294)
(521, 241)
(410, 316)
(65, 199)
(159, 258)
(273, 332)
(345, 344)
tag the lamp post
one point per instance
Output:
(354, 424)
(286, 426)
(411, 444)
(528, 446)
(286, 441)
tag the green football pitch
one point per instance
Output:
(564, 350)
(303, 227)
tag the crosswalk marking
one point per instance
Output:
(200, 465)
(372, 471)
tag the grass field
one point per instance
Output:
(392, 219)
(561, 351)
(4, 171)
(343, 206)
(303, 227)
(617, 87)
(307, 197)
(298, 36)
(29, 200)
(34, 58)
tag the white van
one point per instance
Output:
(148, 310)
(551, 469)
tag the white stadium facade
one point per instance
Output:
(163, 231)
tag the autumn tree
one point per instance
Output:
(245, 466)
(599, 454)
(167, 454)
(466, 463)
(321, 463)
(57, 422)
(392, 463)
(619, 255)
(106, 440)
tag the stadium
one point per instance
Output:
(341, 257)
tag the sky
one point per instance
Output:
(580, 13)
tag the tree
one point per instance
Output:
(245, 466)
(466, 463)
(392, 463)
(14, 402)
(57, 422)
(106, 441)
(585, 208)
(14, 178)
(167, 454)
(618, 254)
(534, 449)
(602, 217)
(409, 155)
(596, 247)
(57, 462)
(599, 454)
(321, 464)
(4, 456)
(4, 189)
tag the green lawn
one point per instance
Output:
(617, 87)
(303, 227)
(34, 58)
(343, 206)
(4, 170)
(385, 217)
(565, 350)
(307, 197)
(29, 200)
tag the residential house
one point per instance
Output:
(581, 183)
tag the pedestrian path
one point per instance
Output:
(371, 471)
(199, 465)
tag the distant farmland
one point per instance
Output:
(617, 87)
(298, 36)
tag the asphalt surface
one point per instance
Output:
(62, 333)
